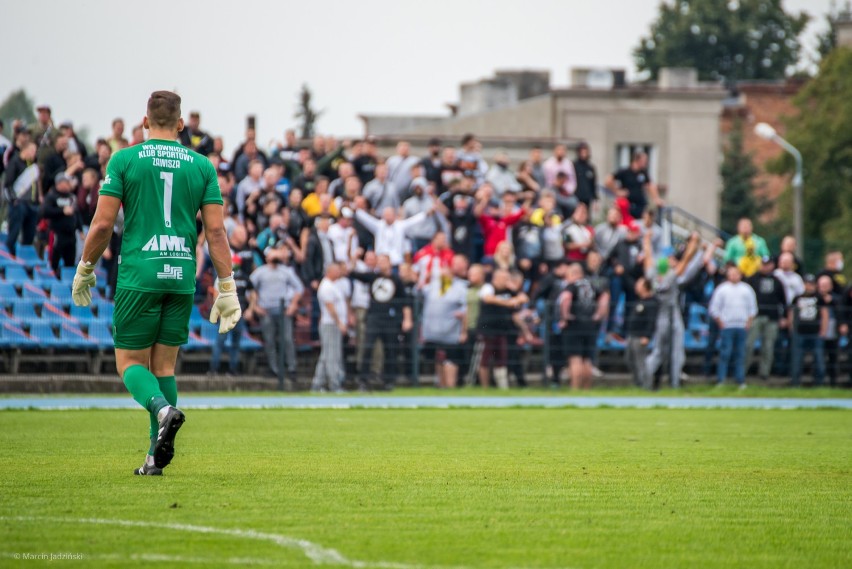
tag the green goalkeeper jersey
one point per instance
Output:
(161, 185)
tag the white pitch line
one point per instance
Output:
(318, 554)
(157, 558)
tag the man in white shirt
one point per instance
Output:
(344, 238)
(390, 238)
(332, 328)
(733, 306)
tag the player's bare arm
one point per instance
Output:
(226, 309)
(100, 233)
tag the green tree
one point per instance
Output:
(822, 131)
(828, 39)
(17, 106)
(306, 113)
(738, 172)
(724, 40)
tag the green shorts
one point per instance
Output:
(142, 319)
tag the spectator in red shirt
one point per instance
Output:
(437, 250)
(495, 224)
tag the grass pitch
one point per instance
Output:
(433, 488)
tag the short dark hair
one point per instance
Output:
(164, 109)
(467, 138)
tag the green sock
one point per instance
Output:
(168, 386)
(144, 388)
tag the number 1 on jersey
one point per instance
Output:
(168, 177)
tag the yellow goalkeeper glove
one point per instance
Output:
(84, 280)
(226, 309)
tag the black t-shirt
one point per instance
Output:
(642, 317)
(634, 182)
(432, 170)
(496, 320)
(833, 303)
(463, 224)
(806, 314)
(53, 209)
(365, 168)
(771, 299)
(241, 276)
(388, 297)
(587, 181)
(584, 304)
(298, 221)
(306, 183)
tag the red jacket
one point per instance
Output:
(494, 229)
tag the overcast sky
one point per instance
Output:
(93, 60)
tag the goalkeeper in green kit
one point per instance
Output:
(162, 186)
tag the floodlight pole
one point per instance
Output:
(766, 131)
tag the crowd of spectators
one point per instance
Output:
(455, 253)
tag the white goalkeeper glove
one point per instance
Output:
(226, 309)
(84, 280)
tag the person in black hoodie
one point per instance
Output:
(60, 208)
(587, 177)
(641, 325)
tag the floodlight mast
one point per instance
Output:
(766, 132)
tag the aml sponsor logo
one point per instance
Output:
(170, 272)
(166, 243)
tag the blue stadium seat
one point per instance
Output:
(697, 316)
(61, 294)
(42, 332)
(100, 332)
(33, 292)
(195, 318)
(27, 254)
(8, 292)
(24, 309)
(695, 341)
(7, 316)
(51, 311)
(196, 343)
(67, 274)
(45, 278)
(104, 306)
(73, 337)
(210, 332)
(81, 313)
(16, 274)
(6, 259)
(13, 336)
(249, 344)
